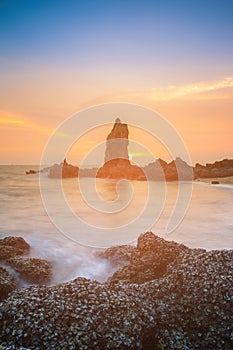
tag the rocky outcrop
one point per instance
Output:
(7, 283)
(222, 168)
(117, 142)
(13, 246)
(150, 260)
(15, 242)
(119, 255)
(32, 270)
(121, 169)
(188, 307)
(117, 164)
(177, 170)
(63, 170)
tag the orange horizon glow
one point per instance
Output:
(201, 112)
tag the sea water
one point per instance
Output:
(208, 222)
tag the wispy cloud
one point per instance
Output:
(213, 89)
(195, 89)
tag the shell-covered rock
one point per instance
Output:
(119, 255)
(7, 283)
(150, 259)
(16, 242)
(32, 270)
(188, 307)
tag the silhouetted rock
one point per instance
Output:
(121, 169)
(7, 283)
(223, 168)
(32, 270)
(63, 170)
(117, 142)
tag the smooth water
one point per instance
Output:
(208, 222)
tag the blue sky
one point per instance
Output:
(134, 36)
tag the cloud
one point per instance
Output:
(213, 89)
(207, 88)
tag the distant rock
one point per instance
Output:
(7, 283)
(222, 168)
(177, 170)
(63, 170)
(32, 270)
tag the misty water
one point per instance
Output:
(107, 207)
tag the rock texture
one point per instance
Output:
(188, 306)
(118, 255)
(32, 270)
(7, 283)
(15, 242)
(149, 260)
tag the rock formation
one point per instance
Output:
(117, 142)
(181, 298)
(13, 253)
(222, 168)
(117, 164)
(63, 170)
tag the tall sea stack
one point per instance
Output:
(117, 164)
(117, 142)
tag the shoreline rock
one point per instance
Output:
(188, 305)
(13, 253)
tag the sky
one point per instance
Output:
(59, 57)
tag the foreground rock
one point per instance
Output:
(32, 270)
(7, 283)
(189, 306)
(15, 242)
(81, 314)
(119, 255)
(150, 259)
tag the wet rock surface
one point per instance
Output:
(32, 270)
(7, 283)
(189, 306)
(15, 242)
(150, 260)
(119, 255)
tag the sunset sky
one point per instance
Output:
(58, 57)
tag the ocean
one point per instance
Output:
(104, 207)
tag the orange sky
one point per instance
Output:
(200, 111)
